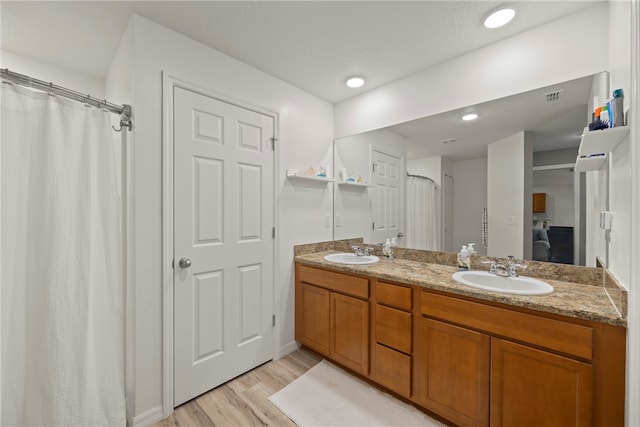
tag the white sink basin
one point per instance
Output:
(349, 258)
(507, 285)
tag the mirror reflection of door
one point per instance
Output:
(387, 178)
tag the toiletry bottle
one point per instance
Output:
(617, 108)
(470, 249)
(463, 258)
(604, 115)
(386, 249)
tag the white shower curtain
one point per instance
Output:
(422, 228)
(62, 309)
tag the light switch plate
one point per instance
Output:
(327, 220)
(605, 220)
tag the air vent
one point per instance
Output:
(447, 141)
(553, 96)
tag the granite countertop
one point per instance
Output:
(569, 299)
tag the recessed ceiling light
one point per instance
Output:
(499, 17)
(470, 116)
(355, 81)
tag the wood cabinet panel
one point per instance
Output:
(312, 317)
(392, 370)
(393, 295)
(564, 337)
(350, 332)
(539, 202)
(531, 387)
(393, 328)
(451, 372)
(343, 283)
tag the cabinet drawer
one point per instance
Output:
(343, 283)
(553, 334)
(393, 370)
(393, 328)
(393, 295)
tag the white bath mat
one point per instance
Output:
(327, 396)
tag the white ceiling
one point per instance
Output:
(313, 45)
(552, 125)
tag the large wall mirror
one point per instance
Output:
(505, 179)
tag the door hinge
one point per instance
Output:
(273, 143)
(373, 225)
(273, 232)
(273, 320)
(373, 167)
(173, 264)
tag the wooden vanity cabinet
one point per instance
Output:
(532, 387)
(478, 364)
(392, 337)
(472, 362)
(332, 315)
(451, 372)
(349, 342)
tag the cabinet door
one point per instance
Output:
(539, 202)
(451, 372)
(531, 387)
(312, 317)
(350, 332)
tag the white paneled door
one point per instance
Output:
(223, 244)
(387, 202)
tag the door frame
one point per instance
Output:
(169, 82)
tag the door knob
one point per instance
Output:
(184, 263)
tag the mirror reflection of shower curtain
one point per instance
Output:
(62, 303)
(422, 214)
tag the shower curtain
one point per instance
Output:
(62, 300)
(422, 229)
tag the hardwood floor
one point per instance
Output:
(243, 400)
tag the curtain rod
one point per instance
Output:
(20, 79)
(420, 176)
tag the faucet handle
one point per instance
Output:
(513, 265)
(367, 250)
(493, 267)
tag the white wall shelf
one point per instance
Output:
(596, 145)
(309, 178)
(355, 184)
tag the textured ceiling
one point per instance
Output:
(309, 44)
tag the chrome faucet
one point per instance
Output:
(497, 268)
(513, 265)
(360, 251)
(503, 270)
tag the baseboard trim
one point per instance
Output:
(287, 348)
(146, 418)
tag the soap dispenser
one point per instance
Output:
(386, 249)
(464, 262)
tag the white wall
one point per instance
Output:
(621, 191)
(515, 65)
(431, 167)
(41, 70)
(469, 198)
(506, 196)
(305, 136)
(119, 86)
(353, 204)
